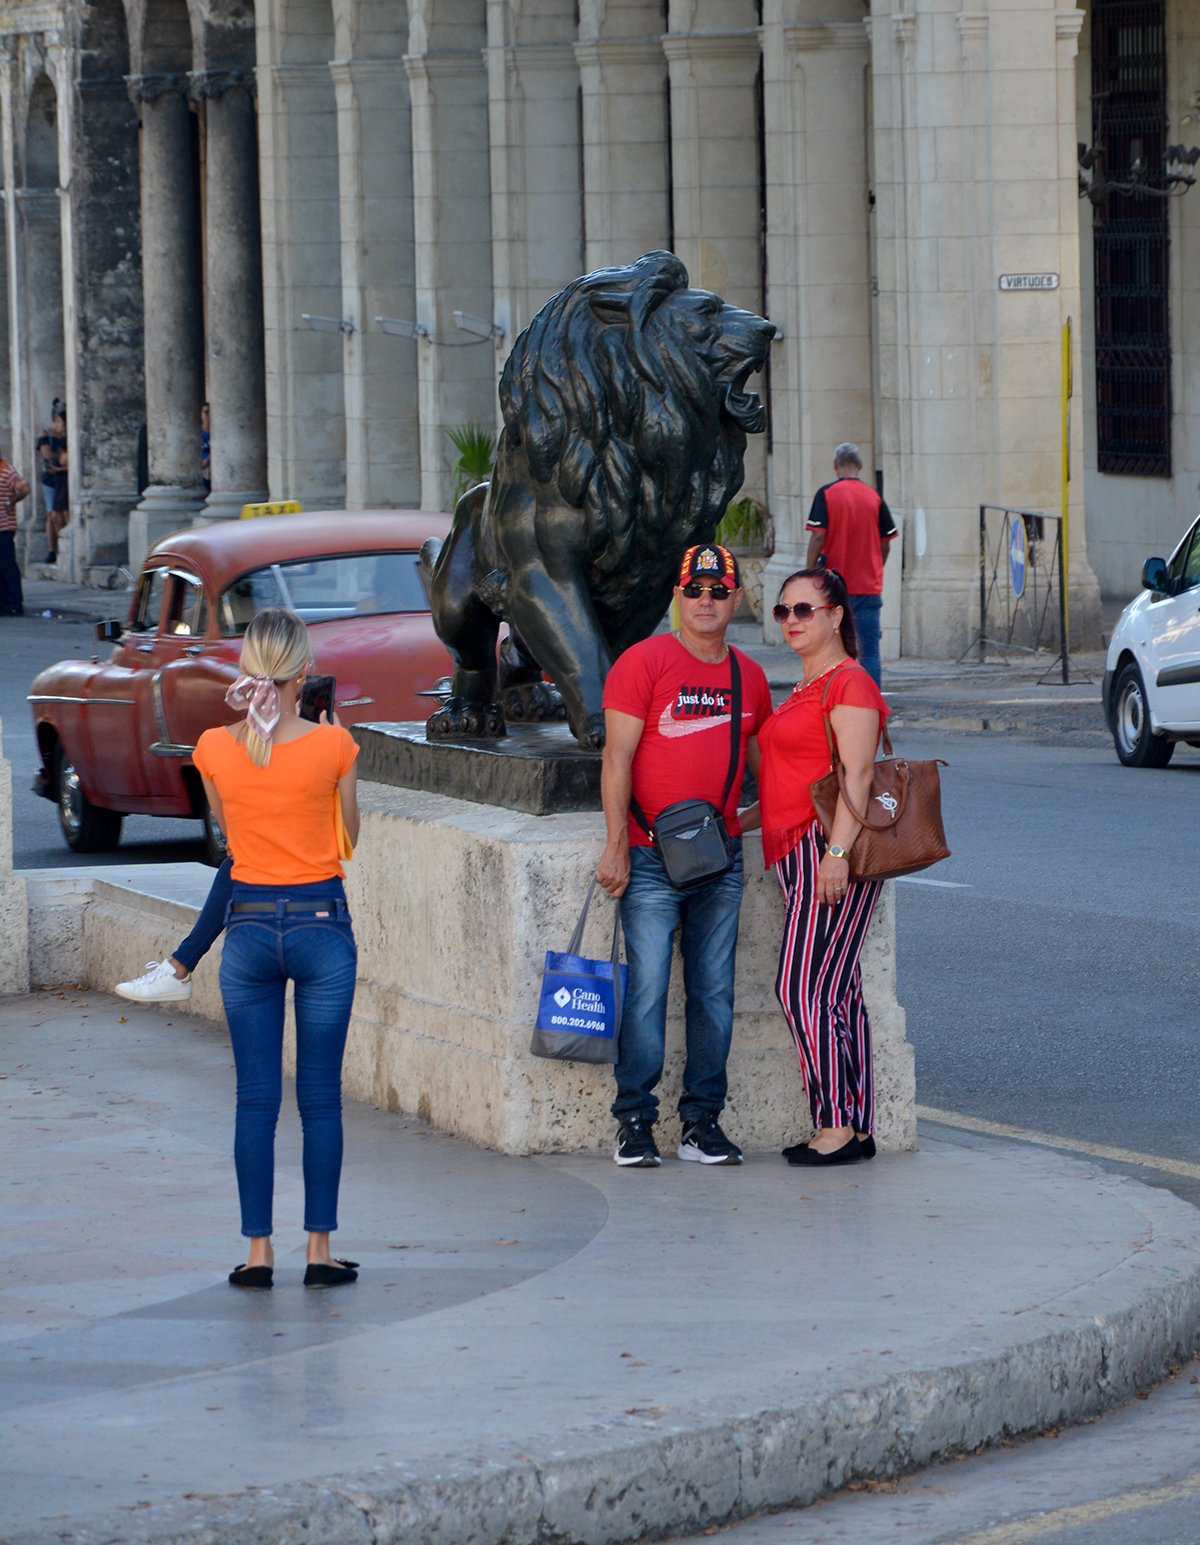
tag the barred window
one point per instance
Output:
(1131, 242)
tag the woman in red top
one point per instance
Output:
(819, 982)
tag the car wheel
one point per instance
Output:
(215, 849)
(1136, 745)
(86, 828)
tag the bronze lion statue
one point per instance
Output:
(625, 419)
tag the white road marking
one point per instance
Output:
(952, 1118)
(945, 885)
(1084, 1513)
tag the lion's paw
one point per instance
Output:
(591, 736)
(534, 702)
(459, 719)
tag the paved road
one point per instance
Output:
(27, 645)
(1051, 978)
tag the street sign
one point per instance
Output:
(1018, 554)
(1029, 281)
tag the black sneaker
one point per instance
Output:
(636, 1145)
(705, 1143)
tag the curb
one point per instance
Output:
(616, 1485)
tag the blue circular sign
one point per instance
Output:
(1018, 554)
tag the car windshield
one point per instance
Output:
(327, 589)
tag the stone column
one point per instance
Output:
(233, 282)
(376, 200)
(713, 55)
(104, 322)
(537, 200)
(973, 179)
(818, 248)
(456, 376)
(40, 343)
(626, 189)
(306, 424)
(171, 288)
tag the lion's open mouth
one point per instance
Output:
(745, 408)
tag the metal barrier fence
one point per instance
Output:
(1022, 586)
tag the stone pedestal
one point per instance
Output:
(455, 905)
(161, 511)
(14, 907)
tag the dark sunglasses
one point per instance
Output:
(693, 591)
(802, 611)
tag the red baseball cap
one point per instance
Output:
(710, 562)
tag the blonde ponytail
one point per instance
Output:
(275, 649)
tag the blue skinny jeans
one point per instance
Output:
(262, 952)
(707, 918)
(868, 623)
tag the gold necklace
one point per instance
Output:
(808, 681)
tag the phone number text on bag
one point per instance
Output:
(567, 1022)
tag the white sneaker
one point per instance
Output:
(159, 985)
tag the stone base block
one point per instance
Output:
(455, 905)
(161, 511)
(14, 936)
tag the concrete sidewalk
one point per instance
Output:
(537, 1349)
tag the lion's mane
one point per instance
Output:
(614, 395)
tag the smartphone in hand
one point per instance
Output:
(316, 697)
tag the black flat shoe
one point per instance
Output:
(252, 1276)
(867, 1144)
(848, 1153)
(319, 1275)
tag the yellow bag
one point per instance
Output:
(345, 848)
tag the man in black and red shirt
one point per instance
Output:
(852, 531)
(667, 718)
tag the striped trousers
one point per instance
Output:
(819, 987)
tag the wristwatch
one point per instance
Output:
(835, 850)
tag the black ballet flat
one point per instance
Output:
(848, 1153)
(252, 1276)
(318, 1275)
(867, 1144)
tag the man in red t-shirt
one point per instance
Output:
(668, 729)
(852, 532)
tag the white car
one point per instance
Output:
(1152, 674)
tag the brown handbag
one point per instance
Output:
(906, 834)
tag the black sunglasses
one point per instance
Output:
(693, 591)
(802, 610)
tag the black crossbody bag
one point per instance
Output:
(690, 836)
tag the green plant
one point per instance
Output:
(476, 447)
(745, 524)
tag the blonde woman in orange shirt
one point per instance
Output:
(275, 784)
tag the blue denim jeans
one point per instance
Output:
(262, 952)
(651, 910)
(867, 609)
(211, 920)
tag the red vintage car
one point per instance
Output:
(117, 737)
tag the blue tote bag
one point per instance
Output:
(579, 1014)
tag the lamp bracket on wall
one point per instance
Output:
(326, 324)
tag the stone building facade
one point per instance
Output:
(330, 218)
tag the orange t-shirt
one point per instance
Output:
(280, 819)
